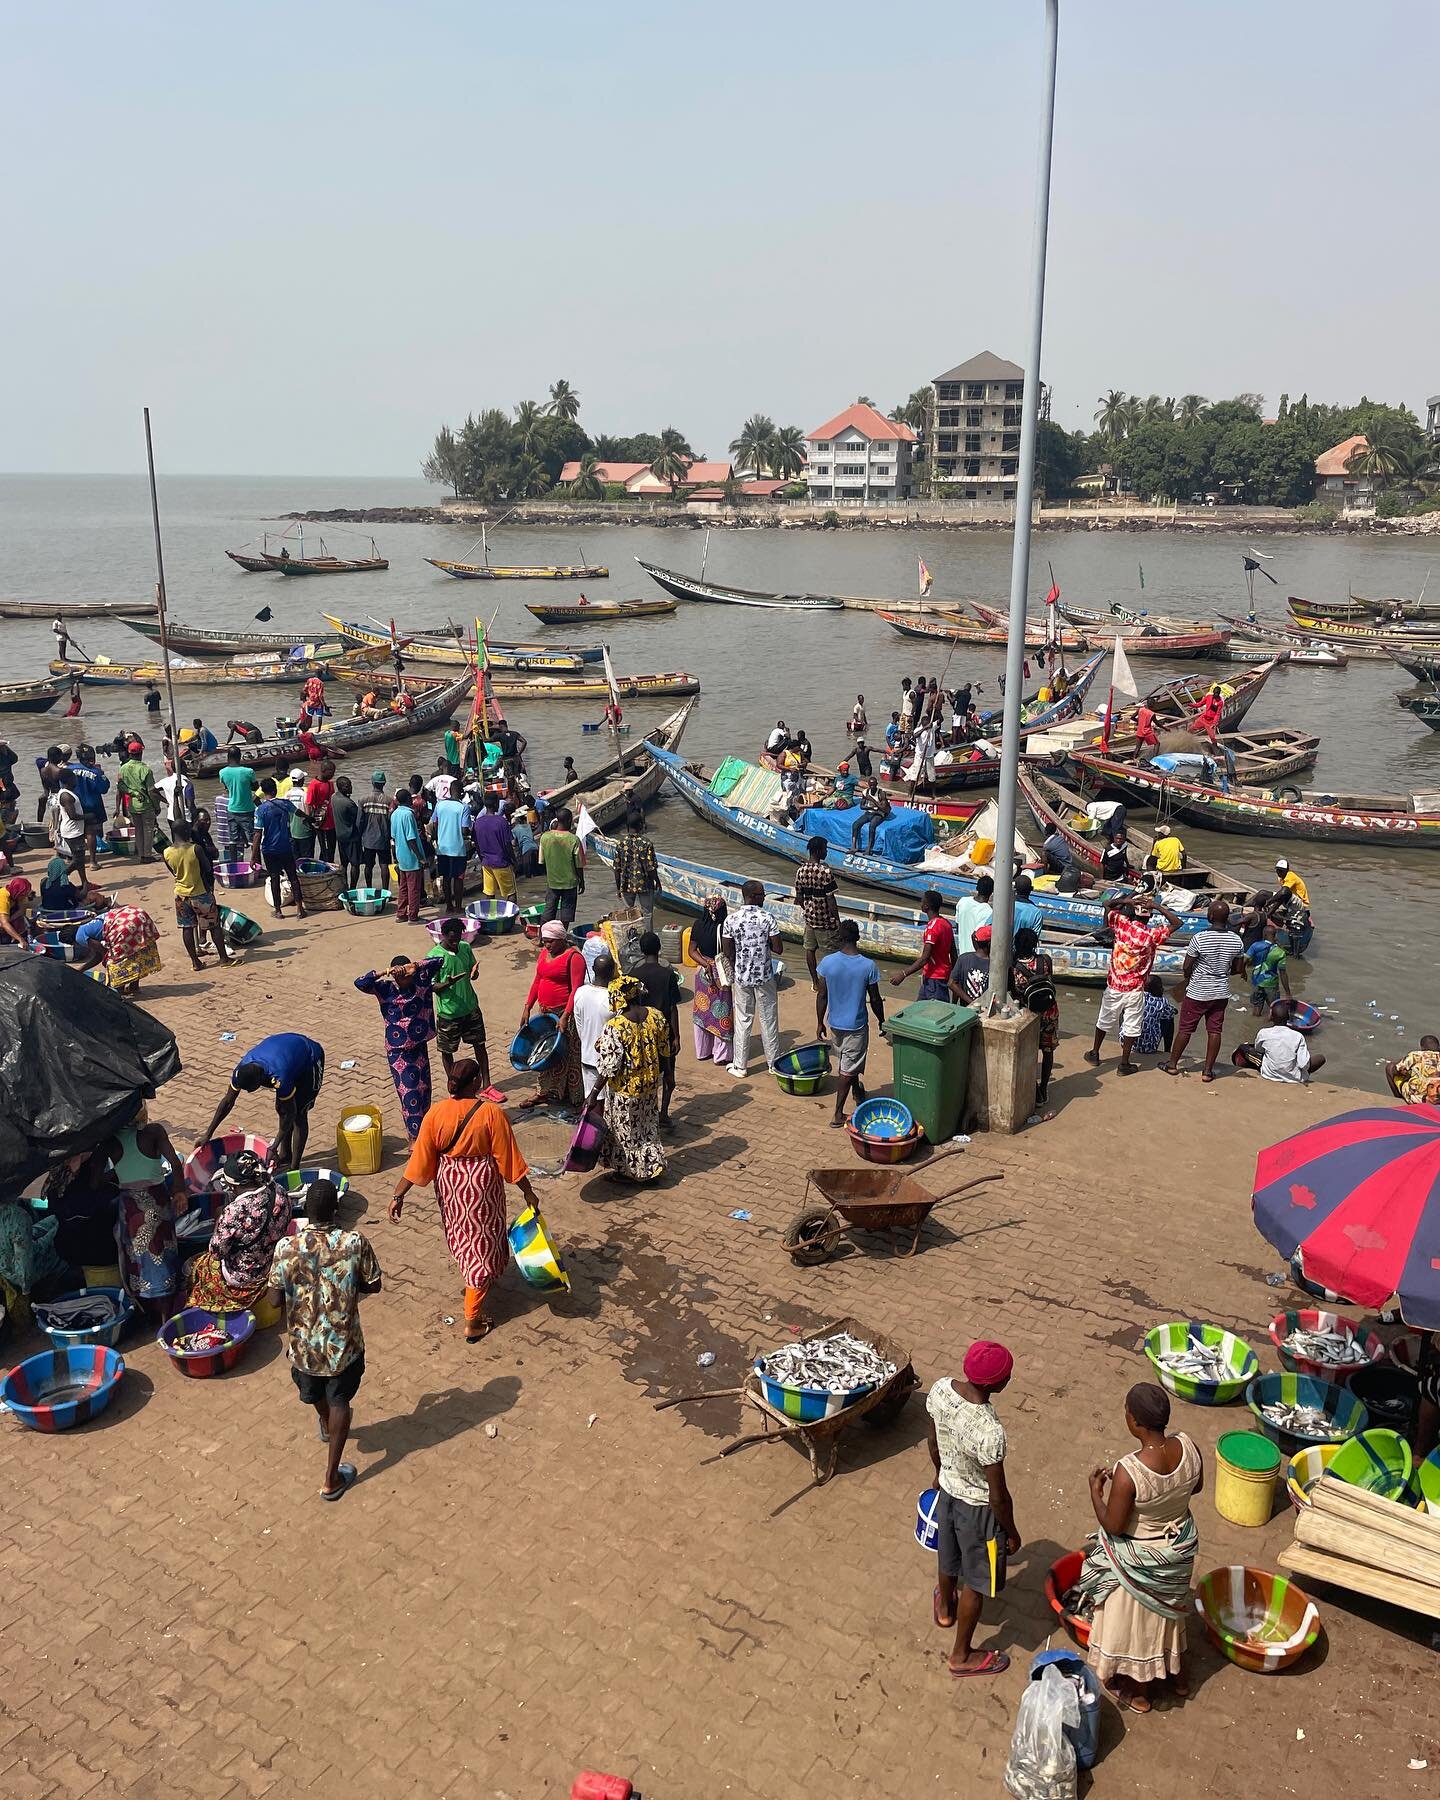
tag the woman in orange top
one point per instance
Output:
(466, 1147)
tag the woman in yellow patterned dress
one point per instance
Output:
(628, 1053)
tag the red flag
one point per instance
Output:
(1054, 593)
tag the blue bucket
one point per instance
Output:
(1084, 1737)
(927, 1525)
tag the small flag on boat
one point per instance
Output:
(926, 578)
(1054, 593)
(585, 825)
(610, 675)
(1253, 568)
(264, 615)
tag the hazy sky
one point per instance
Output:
(307, 234)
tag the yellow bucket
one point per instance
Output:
(1247, 1466)
(360, 1148)
(264, 1314)
(101, 1274)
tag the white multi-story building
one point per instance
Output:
(860, 455)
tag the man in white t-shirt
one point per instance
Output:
(592, 1015)
(1279, 1052)
(972, 911)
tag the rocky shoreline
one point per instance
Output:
(1220, 521)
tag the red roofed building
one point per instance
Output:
(636, 478)
(1338, 485)
(860, 455)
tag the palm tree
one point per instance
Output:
(673, 462)
(530, 479)
(587, 484)
(1131, 414)
(1153, 409)
(755, 446)
(1110, 415)
(915, 412)
(529, 417)
(787, 452)
(1192, 409)
(564, 401)
(1381, 458)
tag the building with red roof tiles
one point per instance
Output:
(1336, 484)
(860, 456)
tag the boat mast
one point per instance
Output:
(179, 803)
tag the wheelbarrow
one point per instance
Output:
(819, 1438)
(867, 1200)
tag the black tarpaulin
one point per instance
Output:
(75, 1063)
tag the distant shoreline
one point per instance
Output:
(1241, 521)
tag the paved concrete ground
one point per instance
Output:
(590, 1587)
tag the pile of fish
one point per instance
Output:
(1197, 1362)
(835, 1364)
(1300, 1421)
(1337, 1347)
(85, 1312)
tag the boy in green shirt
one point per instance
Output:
(458, 1019)
(562, 856)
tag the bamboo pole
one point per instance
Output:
(179, 806)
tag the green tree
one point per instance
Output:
(564, 402)
(529, 418)
(587, 484)
(1110, 414)
(672, 459)
(1382, 458)
(1191, 409)
(915, 412)
(787, 452)
(863, 400)
(446, 462)
(755, 446)
(1060, 456)
(1153, 410)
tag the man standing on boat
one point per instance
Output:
(62, 639)
(637, 874)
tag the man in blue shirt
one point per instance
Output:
(294, 1066)
(91, 784)
(450, 828)
(205, 739)
(845, 980)
(273, 845)
(1028, 916)
(409, 854)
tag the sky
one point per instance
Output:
(308, 234)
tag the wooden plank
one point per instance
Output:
(1338, 1499)
(1319, 1532)
(1319, 1565)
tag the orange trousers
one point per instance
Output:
(475, 1305)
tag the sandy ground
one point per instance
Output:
(590, 1586)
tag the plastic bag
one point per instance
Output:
(1041, 1764)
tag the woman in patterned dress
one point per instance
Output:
(713, 1012)
(235, 1271)
(559, 976)
(128, 939)
(629, 1054)
(408, 1009)
(152, 1188)
(467, 1149)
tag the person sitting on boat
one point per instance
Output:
(404, 702)
(842, 794)
(582, 601)
(1167, 853)
(779, 738)
(875, 809)
(1115, 858)
(858, 721)
(207, 741)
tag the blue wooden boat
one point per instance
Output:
(1060, 912)
(891, 932)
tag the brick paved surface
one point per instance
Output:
(488, 1615)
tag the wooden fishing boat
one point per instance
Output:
(1315, 816)
(590, 612)
(32, 696)
(1055, 807)
(1345, 631)
(447, 645)
(1061, 912)
(1252, 655)
(632, 779)
(1123, 618)
(431, 711)
(1424, 665)
(689, 587)
(262, 668)
(325, 564)
(1319, 649)
(1175, 704)
(1357, 607)
(1147, 638)
(264, 564)
(894, 933)
(463, 571)
(75, 609)
(954, 630)
(1424, 707)
(191, 640)
(560, 687)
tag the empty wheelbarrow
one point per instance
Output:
(867, 1200)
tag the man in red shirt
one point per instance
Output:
(937, 956)
(1136, 939)
(1207, 719)
(1146, 741)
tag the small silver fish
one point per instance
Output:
(1300, 1421)
(1337, 1347)
(1200, 1362)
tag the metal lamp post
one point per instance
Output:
(1002, 924)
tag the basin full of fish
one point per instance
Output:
(837, 1364)
(1197, 1362)
(1337, 1348)
(1300, 1421)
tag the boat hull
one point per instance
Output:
(601, 611)
(189, 640)
(688, 587)
(557, 572)
(75, 609)
(315, 565)
(628, 687)
(1317, 819)
(913, 625)
(252, 565)
(31, 696)
(431, 710)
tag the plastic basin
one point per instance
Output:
(108, 1335)
(1314, 1320)
(202, 1363)
(204, 1164)
(60, 1389)
(1180, 1334)
(883, 1117)
(1064, 1573)
(1261, 1622)
(1378, 1461)
(538, 1045)
(1347, 1415)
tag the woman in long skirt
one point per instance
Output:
(408, 1009)
(235, 1271)
(629, 1054)
(467, 1149)
(713, 1013)
(145, 1221)
(559, 976)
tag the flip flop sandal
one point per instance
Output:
(349, 1475)
(994, 1662)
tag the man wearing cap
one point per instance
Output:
(971, 975)
(975, 1518)
(375, 830)
(135, 785)
(1293, 910)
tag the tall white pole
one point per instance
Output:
(1004, 902)
(160, 605)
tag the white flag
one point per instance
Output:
(610, 675)
(1121, 680)
(585, 825)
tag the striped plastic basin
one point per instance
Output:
(239, 874)
(60, 1389)
(1305, 1468)
(1347, 1416)
(1182, 1334)
(203, 1165)
(1262, 1622)
(297, 1183)
(107, 1335)
(806, 1404)
(1378, 1461)
(1314, 1320)
(365, 902)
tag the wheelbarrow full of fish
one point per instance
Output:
(810, 1391)
(866, 1200)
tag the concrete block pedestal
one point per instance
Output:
(1004, 1065)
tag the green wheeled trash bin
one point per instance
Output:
(930, 1042)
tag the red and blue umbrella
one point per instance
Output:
(1359, 1198)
